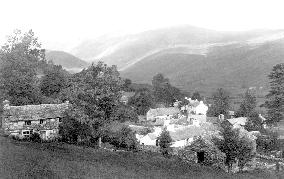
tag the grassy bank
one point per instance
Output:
(35, 160)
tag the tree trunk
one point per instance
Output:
(100, 142)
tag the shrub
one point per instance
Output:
(125, 138)
(268, 142)
(35, 137)
(15, 137)
(165, 141)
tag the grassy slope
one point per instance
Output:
(31, 160)
(65, 59)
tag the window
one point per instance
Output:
(28, 123)
(26, 133)
(41, 121)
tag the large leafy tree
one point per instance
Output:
(275, 98)
(142, 101)
(96, 91)
(221, 103)
(235, 146)
(19, 59)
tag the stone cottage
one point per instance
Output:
(22, 121)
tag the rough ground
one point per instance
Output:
(34, 160)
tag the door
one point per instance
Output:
(43, 135)
(200, 157)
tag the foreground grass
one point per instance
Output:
(34, 160)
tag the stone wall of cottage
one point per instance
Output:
(15, 127)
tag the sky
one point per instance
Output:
(63, 24)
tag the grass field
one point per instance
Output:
(34, 160)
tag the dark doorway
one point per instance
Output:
(200, 157)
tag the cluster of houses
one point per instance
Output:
(185, 123)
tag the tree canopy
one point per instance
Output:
(19, 59)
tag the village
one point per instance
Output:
(189, 127)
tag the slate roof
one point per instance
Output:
(238, 121)
(163, 111)
(35, 112)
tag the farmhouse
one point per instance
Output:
(22, 121)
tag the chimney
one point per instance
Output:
(221, 117)
(6, 103)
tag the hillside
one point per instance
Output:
(66, 60)
(232, 67)
(193, 58)
(58, 160)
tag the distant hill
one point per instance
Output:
(66, 60)
(231, 67)
(193, 58)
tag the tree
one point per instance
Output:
(195, 96)
(221, 103)
(53, 82)
(74, 126)
(234, 146)
(165, 141)
(247, 106)
(125, 138)
(142, 101)
(275, 97)
(254, 122)
(19, 59)
(96, 91)
(164, 92)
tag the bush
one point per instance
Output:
(165, 141)
(35, 137)
(268, 142)
(125, 138)
(15, 137)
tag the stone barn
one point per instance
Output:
(203, 151)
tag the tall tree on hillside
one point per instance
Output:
(164, 92)
(247, 109)
(221, 103)
(19, 59)
(247, 106)
(142, 101)
(275, 98)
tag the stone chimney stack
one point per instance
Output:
(221, 117)
(6, 104)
